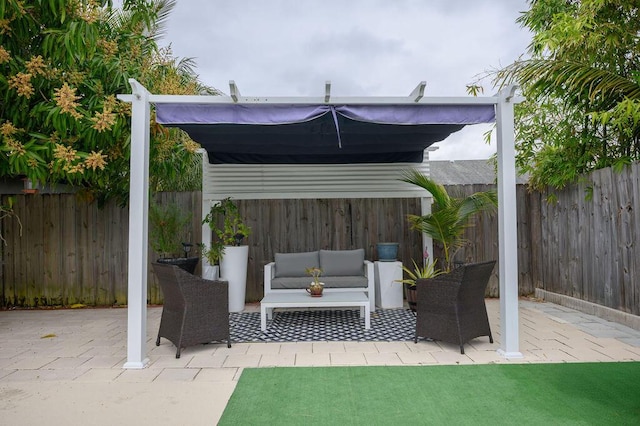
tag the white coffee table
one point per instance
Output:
(304, 300)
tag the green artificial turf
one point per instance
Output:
(495, 394)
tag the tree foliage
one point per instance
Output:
(62, 63)
(582, 89)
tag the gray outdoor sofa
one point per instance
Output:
(342, 270)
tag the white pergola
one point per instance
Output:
(141, 101)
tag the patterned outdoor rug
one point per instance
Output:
(323, 325)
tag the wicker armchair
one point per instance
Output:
(195, 310)
(451, 307)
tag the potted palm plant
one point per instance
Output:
(229, 231)
(450, 216)
(427, 270)
(167, 235)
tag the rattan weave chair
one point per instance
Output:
(451, 307)
(195, 310)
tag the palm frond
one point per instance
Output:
(439, 194)
(476, 203)
(547, 75)
(162, 9)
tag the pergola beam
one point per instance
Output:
(418, 92)
(234, 91)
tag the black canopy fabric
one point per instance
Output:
(321, 134)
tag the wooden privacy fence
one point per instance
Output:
(72, 252)
(587, 247)
(69, 252)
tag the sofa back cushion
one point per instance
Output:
(342, 262)
(295, 264)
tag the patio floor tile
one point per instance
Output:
(206, 361)
(553, 355)
(278, 360)
(103, 361)
(43, 375)
(263, 348)
(393, 347)
(217, 375)
(177, 375)
(30, 363)
(387, 358)
(417, 358)
(146, 375)
(360, 347)
(170, 361)
(348, 359)
(328, 347)
(65, 363)
(99, 375)
(296, 347)
(313, 360)
(242, 360)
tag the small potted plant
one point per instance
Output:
(316, 287)
(229, 232)
(168, 226)
(212, 255)
(428, 270)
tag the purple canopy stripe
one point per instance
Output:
(288, 114)
(308, 134)
(237, 114)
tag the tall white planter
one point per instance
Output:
(233, 268)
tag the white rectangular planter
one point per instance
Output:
(388, 291)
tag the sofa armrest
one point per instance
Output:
(269, 274)
(371, 283)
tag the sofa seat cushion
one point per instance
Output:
(350, 281)
(295, 264)
(329, 282)
(339, 263)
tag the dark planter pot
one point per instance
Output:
(387, 252)
(187, 263)
(412, 296)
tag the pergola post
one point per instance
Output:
(138, 229)
(507, 225)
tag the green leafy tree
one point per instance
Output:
(450, 216)
(582, 89)
(62, 63)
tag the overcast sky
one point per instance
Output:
(364, 47)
